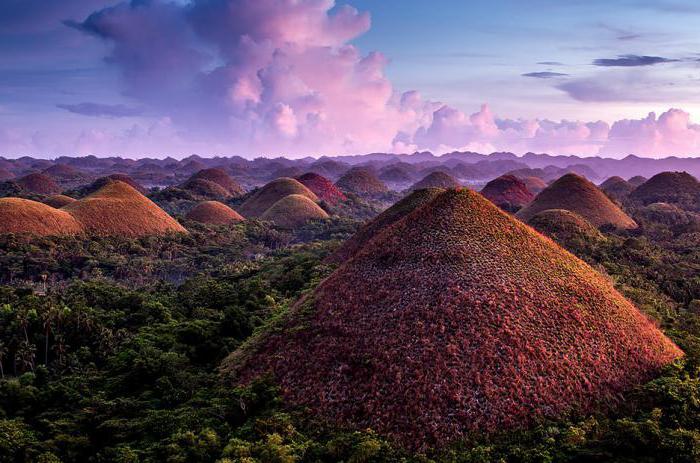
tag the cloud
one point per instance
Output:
(101, 110)
(545, 75)
(550, 63)
(632, 61)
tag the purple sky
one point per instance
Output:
(312, 77)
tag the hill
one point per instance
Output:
(576, 194)
(268, 195)
(103, 181)
(221, 178)
(362, 182)
(58, 201)
(436, 180)
(206, 189)
(39, 184)
(392, 215)
(214, 213)
(678, 188)
(397, 173)
(617, 188)
(293, 211)
(507, 192)
(565, 227)
(35, 218)
(322, 187)
(490, 324)
(6, 175)
(637, 180)
(63, 172)
(117, 209)
(534, 184)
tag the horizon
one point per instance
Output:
(274, 78)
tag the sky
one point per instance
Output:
(318, 77)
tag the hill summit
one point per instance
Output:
(214, 213)
(576, 194)
(322, 187)
(35, 218)
(294, 211)
(678, 188)
(456, 319)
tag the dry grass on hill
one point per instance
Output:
(576, 194)
(214, 213)
(507, 192)
(117, 209)
(293, 211)
(564, 226)
(669, 187)
(221, 178)
(35, 218)
(457, 319)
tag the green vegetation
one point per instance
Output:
(114, 356)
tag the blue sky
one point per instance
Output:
(66, 89)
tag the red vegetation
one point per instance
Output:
(267, 196)
(31, 217)
(58, 201)
(38, 183)
(362, 182)
(322, 187)
(576, 194)
(214, 213)
(221, 178)
(668, 187)
(293, 211)
(507, 192)
(457, 319)
(436, 179)
(117, 209)
(395, 213)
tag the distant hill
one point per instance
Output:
(39, 184)
(293, 211)
(214, 213)
(617, 188)
(678, 188)
(268, 195)
(58, 201)
(576, 194)
(508, 192)
(322, 187)
(362, 182)
(436, 180)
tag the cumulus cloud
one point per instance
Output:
(101, 110)
(282, 77)
(632, 61)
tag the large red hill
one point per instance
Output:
(457, 319)
(221, 178)
(117, 209)
(679, 188)
(576, 194)
(31, 217)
